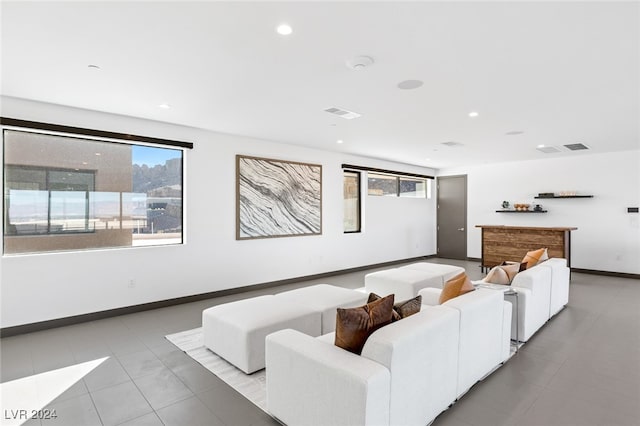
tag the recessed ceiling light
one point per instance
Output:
(410, 84)
(540, 146)
(84, 163)
(284, 29)
(98, 154)
(473, 114)
(339, 141)
(164, 105)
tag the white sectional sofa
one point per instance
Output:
(543, 290)
(409, 371)
(560, 277)
(480, 312)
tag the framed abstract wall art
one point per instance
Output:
(276, 198)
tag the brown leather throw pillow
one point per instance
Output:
(355, 325)
(402, 309)
(408, 307)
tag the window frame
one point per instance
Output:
(359, 203)
(414, 179)
(47, 171)
(382, 176)
(398, 175)
(11, 124)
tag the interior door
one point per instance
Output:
(452, 217)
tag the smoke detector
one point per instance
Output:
(359, 62)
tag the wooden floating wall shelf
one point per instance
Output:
(521, 211)
(565, 196)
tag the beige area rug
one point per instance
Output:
(251, 386)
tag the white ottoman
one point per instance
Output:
(404, 283)
(236, 331)
(325, 298)
(445, 271)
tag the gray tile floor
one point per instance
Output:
(582, 368)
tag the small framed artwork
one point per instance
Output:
(277, 198)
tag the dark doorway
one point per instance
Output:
(452, 217)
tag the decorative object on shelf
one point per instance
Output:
(520, 208)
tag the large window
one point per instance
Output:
(77, 193)
(351, 202)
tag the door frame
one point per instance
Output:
(466, 228)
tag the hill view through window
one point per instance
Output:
(70, 193)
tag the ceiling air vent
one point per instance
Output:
(346, 114)
(576, 146)
(452, 144)
(548, 149)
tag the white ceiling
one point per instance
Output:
(561, 72)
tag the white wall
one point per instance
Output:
(607, 238)
(49, 286)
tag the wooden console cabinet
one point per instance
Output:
(500, 242)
